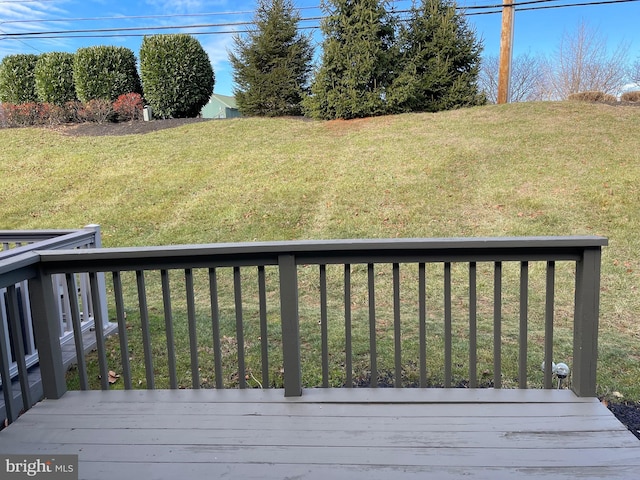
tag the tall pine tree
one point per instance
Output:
(439, 61)
(357, 60)
(272, 63)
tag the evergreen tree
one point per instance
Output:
(439, 61)
(272, 63)
(357, 61)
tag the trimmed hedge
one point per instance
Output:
(176, 75)
(54, 78)
(105, 73)
(17, 79)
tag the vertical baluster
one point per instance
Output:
(18, 347)
(422, 318)
(524, 312)
(5, 375)
(72, 290)
(447, 326)
(168, 327)
(347, 327)
(397, 333)
(85, 290)
(215, 327)
(372, 325)
(324, 326)
(66, 324)
(146, 333)
(264, 333)
(60, 300)
(497, 326)
(26, 309)
(193, 332)
(122, 329)
(548, 324)
(99, 330)
(237, 289)
(473, 325)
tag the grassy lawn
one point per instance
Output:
(522, 169)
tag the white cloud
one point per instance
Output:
(23, 17)
(184, 5)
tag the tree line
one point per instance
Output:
(373, 62)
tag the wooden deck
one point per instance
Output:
(330, 434)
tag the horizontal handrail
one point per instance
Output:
(45, 240)
(18, 268)
(321, 251)
(32, 235)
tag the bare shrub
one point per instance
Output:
(594, 97)
(631, 96)
(96, 111)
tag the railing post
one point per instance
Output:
(585, 326)
(290, 326)
(102, 286)
(47, 332)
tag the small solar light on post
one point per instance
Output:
(562, 372)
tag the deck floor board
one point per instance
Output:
(336, 433)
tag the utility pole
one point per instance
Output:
(506, 50)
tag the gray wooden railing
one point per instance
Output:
(17, 242)
(279, 266)
(17, 337)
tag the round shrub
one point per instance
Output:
(54, 78)
(17, 80)
(105, 73)
(176, 75)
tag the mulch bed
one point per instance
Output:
(124, 128)
(628, 414)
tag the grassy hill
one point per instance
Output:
(521, 169)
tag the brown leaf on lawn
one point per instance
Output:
(113, 377)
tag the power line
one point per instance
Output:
(529, 5)
(143, 17)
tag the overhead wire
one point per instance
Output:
(470, 10)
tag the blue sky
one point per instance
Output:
(537, 31)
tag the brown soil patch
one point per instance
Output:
(340, 126)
